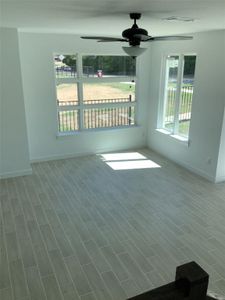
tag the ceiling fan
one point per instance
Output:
(134, 36)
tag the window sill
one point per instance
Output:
(79, 132)
(185, 141)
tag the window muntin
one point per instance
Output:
(170, 91)
(88, 99)
(178, 94)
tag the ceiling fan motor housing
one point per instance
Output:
(134, 35)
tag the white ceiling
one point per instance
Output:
(111, 17)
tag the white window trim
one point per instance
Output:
(178, 138)
(162, 95)
(80, 80)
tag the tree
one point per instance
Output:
(110, 65)
(189, 65)
(70, 60)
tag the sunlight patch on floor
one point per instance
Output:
(122, 156)
(134, 164)
(128, 161)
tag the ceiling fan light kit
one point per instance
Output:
(134, 36)
(134, 51)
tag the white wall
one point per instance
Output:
(1, 103)
(1, 111)
(36, 52)
(220, 175)
(36, 56)
(201, 156)
(13, 134)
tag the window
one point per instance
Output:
(175, 113)
(94, 91)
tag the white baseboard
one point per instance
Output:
(16, 173)
(85, 153)
(197, 171)
(187, 166)
(220, 179)
(58, 157)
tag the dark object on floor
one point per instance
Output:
(191, 283)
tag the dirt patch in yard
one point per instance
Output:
(68, 92)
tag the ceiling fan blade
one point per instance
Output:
(112, 40)
(141, 37)
(102, 38)
(169, 38)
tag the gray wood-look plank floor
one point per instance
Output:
(77, 229)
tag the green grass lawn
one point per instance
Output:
(123, 87)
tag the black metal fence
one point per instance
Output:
(68, 120)
(88, 71)
(114, 100)
(185, 104)
(95, 117)
(108, 117)
(65, 71)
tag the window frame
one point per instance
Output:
(163, 92)
(80, 80)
